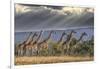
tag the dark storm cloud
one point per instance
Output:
(36, 5)
(48, 18)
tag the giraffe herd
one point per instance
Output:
(32, 46)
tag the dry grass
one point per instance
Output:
(49, 59)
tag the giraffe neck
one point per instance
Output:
(79, 40)
(81, 37)
(47, 39)
(28, 39)
(37, 38)
(60, 40)
(69, 38)
(32, 39)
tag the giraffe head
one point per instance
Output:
(41, 31)
(52, 32)
(73, 31)
(35, 34)
(84, 34)
(64, 33)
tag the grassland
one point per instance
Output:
(49, 59)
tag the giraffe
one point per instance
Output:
(74, 47)
(81, 37)
(19, 48)
(66, 43)
(31, 38)
(27, 46)
(60, 41)
(44, 44)
(33, 45)
(27, 42)
(61, 38)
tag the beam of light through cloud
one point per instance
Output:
(29, 18)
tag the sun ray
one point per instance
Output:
(21, 9)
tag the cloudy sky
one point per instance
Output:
(36, 17)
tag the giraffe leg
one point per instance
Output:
(16, 53)
(31, 52)
(21, 52)
(26, 52)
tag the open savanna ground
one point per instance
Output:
(50, 59)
